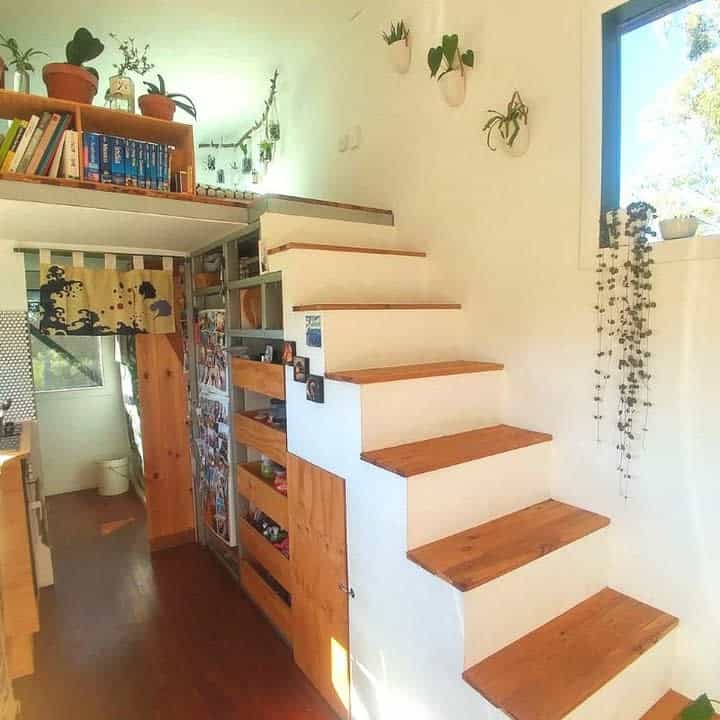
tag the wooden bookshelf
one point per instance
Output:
(266, 554)
(264, 438)
(263, 378)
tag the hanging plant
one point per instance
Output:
(247, 163)
(623, 309)
(511, 127)
(264, 120)
(448, 64)
(266, 151)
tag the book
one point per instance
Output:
(142, 163)
(13, 148)
(8, 141)
(42, 146)
(131, 163)
(53, 145)
(162, 168)
(22, 147)
(91, 156)
(54, 168)
(151, 178)
(70, 164)
(34, 141)
(105, 159)
(118, 147)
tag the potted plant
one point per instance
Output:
(679, 226)
(72, 80)
(452, 78)
(121, 91)
(247, 163)
(160, 104)
(510, 128)
(266, 151)
(20, 61)
(398, 42)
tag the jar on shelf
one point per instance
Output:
(121, 94)
(266, 467)
(21, 81)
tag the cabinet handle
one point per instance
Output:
(347, 590)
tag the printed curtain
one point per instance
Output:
(79, 301)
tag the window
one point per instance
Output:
(661, 108)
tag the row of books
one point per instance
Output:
(43, 145)
(122, 161)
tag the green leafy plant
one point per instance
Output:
(266, 151)
(398, 31)
(133, 60)
(623, 324)
(449, 53)
(83, 48)
(188, 106)
(507, 124)
(243, 142)
(702, 709)
(20, 58)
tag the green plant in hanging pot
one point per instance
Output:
(398, 42)
(73, 80)
(20, 60)
(509, 129)
(448, 64)
(266, 151)
(247, 163)
(158, 103)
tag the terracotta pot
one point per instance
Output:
(70, 82)
(157, 106)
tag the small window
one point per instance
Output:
(661, 108)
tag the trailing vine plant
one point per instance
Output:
(623, 322)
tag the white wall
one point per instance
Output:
(80, 427)
(12, 286)
(503, 237)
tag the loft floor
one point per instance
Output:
(172, 638)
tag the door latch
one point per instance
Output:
(347, 590)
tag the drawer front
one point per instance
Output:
(260, 549)
(265, 439)
(263, 378)
(262, 494)
(266, 599)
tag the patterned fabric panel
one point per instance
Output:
(16, 378)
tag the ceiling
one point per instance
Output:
(221, 54)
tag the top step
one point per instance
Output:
(344, 249)
(376, 306)
(548, 673)
(412, 372)
(441, 452)
(668, 707)
(476, 556)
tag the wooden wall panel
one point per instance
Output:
(318, 551)
(166, 440)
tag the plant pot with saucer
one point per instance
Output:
(72, 80)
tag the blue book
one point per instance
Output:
(91, 156)
(142, 163)
(153, 166)
(131, 163)
(162, 162)
(105, 159)
(117, 159)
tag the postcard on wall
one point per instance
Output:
(215, 490)
(212, 359)
(313, 331)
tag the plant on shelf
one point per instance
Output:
(121, 90)
(398, 42)
(160, 104)
(701, 709)
(20, 60)
(510, 127)
(623, 324)
(679, 226)
(452, 77)
(73, 80)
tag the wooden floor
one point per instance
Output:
(172, 638)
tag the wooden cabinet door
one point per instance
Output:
(318, 552)
(166, 440)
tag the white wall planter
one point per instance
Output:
(520, 145)
(399, 54)
(452, 85)
(679, 227)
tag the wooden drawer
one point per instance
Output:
(263, 378)
(265, 439)
(274, 607)
(261, 492)
(262, 551)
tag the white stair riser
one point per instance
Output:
(448, 501)
(412, 410)
(509, 607)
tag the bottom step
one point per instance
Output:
(554, 669)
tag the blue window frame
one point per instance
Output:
(616, 23)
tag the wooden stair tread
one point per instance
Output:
(441, 452)
(320, 307)
(668, 707)
(555, 668)
(412, 372)
(481, 554)
(345, 248)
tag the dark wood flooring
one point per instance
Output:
(128, 637)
